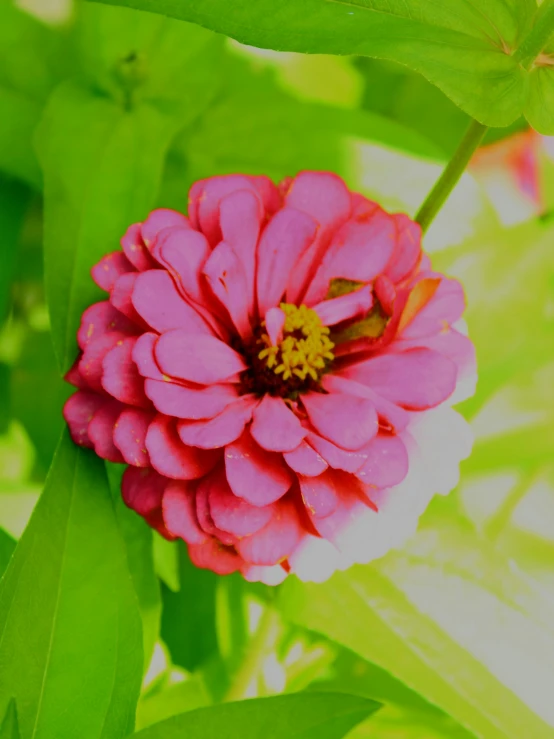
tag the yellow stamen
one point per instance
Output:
(304, 349)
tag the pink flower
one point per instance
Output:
(277, 371)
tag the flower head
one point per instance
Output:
(277, 370)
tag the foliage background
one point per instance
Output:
(109, 112)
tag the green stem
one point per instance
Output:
(538, 37)
(452, 173)
(259, 648)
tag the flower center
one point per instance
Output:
(297, 361)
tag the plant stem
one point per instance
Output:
(538, 36)
(257, 651)
(452, 173)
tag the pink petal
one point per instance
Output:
(74, 377)
(392, 417)
(352, 305)
(220, 430)
(160, 219)
(100, 318)
(121, 378)
(407, 249)
(387, 462)
(444, 308)
(274, 323)
(170, 457)
(101, 428)
(193, 403)
(184, 253)
(234, 515)
(197, 357)
(450, 343)
(338, 458)
(78, 412)
(157, 301)
(275, 427)
(179, 512)
(241, 215)
(203, 512)
(285, 238)
(321, 495)
(347, 421)
(142, 490)
(257, 476)
(129, 436)
(109, 268)
(385, 293)
(325, 197)
(90, 365)
(135, 250)
(227, 279)
(276, 541)
(215, 556)
(305, 460)
(121, 298)
(415, 379)
(143, 357)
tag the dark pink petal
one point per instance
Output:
(257, 476)
(170, 457)
(129, 436)
(385, 293)
(391, 416)
(339, 459)
(352, 305)
(160, 219)
(158, 303)
(101, 428)
(276, 541)
(121, 378)
(215, 556)
(275, 427)
(285, 238)
(135, 250)
(142, 490)
(305, 460)
(234, 515)
(415, 379)
(78, 412)
(184, 252)
(241, 216)
(74, 377)
(227, 279)
(407, 249)
(99, 318)
(92, 360)
(179, 512)
(387, 462)
(109, 268)
(220, 430)
(192, 403)
(322, 494)
(203, 512)
(143, 357)
(347, 421)
(451, 344)
(325, 197)
(121, 298)
(444, 308)
(197, 357)
(274, 323)
(268, 192)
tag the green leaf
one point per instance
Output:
(300, 716)
(439, 618)
(465, 49)
(10, 726)
(20, 117)
(14, 200)
(70, 633)
(171, 700)
(7, 546)
(188, 616)
(137, 536)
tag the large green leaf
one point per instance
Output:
(7, 546)
(300, 716)
(464, 48)
(10, 728)
(439, 618)
(70, 633)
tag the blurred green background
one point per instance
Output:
(456, 633)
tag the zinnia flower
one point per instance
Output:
(277, 370)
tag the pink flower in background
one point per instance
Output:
(277, 370)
